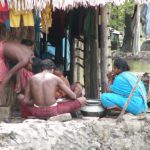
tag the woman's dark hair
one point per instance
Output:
(47, 64)
(121, 64)
(26, 42)
(36, 65)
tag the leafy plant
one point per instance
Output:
(117, 17)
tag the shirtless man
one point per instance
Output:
(16, 53)
(40, 94)
(59, 72)
(24, 74)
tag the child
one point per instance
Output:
(78, 89)
(59, 72)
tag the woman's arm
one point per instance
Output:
(28, 100)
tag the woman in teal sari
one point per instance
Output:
(120, 88)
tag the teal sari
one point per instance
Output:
(121, 89)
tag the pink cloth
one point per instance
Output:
(24, 76)
(44, 112)
(3, 63)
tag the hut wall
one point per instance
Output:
(16, 34)
(91, 59)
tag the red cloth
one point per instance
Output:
(4, 8)
(24, 76)
(3, 63)
(42, 112)
(4, 12)
(24, 111)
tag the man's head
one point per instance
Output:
(120, 65)
(47, 64)
(59, 70)
(28, 43)
(36, 65)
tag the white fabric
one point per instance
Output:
(142, 1)
(45, 106)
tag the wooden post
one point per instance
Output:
(91, 57)
(136, 31)
(95, 60)
(78, 62)
(104, 44)
(65, 52)
(87, 67)
(72, 61)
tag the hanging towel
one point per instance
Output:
(15, 17)
(46, 18)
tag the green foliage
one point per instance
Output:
(117, 16)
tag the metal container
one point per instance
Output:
(92, 108)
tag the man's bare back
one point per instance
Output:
(17, 52)
(43, 88)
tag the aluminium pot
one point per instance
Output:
(92, 108)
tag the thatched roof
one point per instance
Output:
(63, 4)
(75, 3)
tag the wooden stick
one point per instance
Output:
(119, 119)
(148, 93)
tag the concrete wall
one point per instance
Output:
(85, 134)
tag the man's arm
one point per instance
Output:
(107, 87)
(12, 71)
(18, 82)
(66, 89)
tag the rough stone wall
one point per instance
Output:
(143, 55)
(83, 134)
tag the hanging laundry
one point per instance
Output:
(15, 17)
(148, 21)
(28, 19)
(46, 18)
(57, 31)
(37, 20)
(145, 17)
(7, 24)
(4, 14)
(4, 7)
(89, 24)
